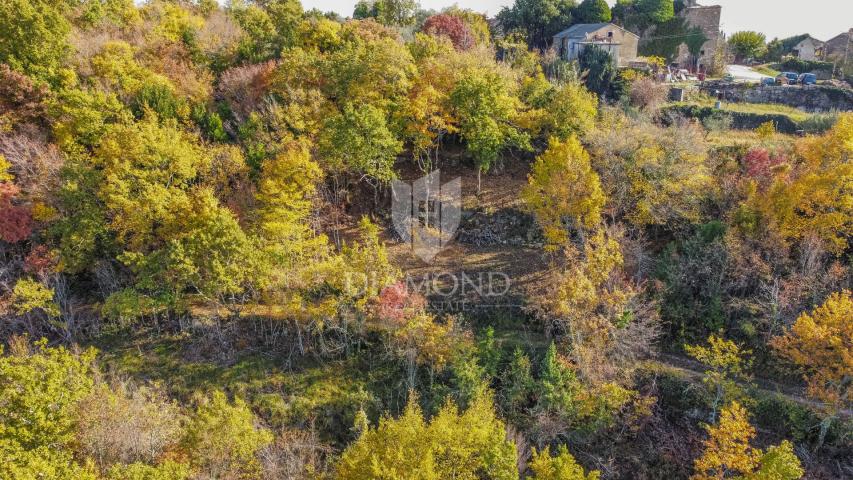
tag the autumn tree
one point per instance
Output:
(223, 439)
(563, 191)
(561, 466)
(728, 453)
(16, 221)
(466, 445)
(651, 175)
(819, 344)
(452, 27)
(34, 34)
(41, 387)
(727, 366)
(809, 198)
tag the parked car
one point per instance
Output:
(787, 78)
(768, 81)
(808, 79)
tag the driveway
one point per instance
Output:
(744, 74)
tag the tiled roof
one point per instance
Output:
(581, 29)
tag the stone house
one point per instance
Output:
(809, 49)
(837, 48)
(620, 43)
(707, 19)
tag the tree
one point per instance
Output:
(358, 141)
(387, 12)
(16, 221)
(40, 388)
(563, 191)
(484, 105)
(34, 34)
(599, 68)
(810, 199)
(728, 453)
(223, 440)
(517, 383)
(29, 296)
(539, 20)
(559, 385)
(467, 446)
(452, 27)
(727, 365)
(561, 466)
(747, 45)
(592, 11)
(656, 11)
(819, 344)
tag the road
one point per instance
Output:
(744, 74)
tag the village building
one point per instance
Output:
(839, 48)
(620, 43)
(809, 49)
(707, 19)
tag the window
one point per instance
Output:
(609, 34)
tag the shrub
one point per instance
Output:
(126, 424)
(648, 94)
(223, 440)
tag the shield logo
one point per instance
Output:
(426, 214)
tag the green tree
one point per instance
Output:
(539, 20)
(656, 11)
(592, 11)
(517, 383)
(747, 45)
(359, 141)
(485, 107)
(599, 68)
(558, 385)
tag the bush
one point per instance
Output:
(648, 94)
(804, 66)
(819, 123)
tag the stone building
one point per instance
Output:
(620, 43)
(809, 49)
(706, 18)
(839, 48)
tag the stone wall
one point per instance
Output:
(813, 98)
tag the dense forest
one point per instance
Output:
(200, 278)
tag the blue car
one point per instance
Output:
(808, 79)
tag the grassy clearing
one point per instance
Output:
(766, 70)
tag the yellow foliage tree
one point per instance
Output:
(561, 466)
(465, 446)
(564, 189)
(726, 362)
(816, 199)
(820, 343)
(728, 454)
